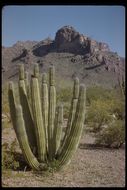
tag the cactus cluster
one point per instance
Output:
(38, 122)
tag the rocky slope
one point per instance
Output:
(72, 53)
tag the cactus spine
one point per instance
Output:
(38, 122)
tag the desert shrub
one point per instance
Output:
(105, 116)
(94, 93)
(113, 135)
(117, 106)
(11, 159)
(98, 114)
(64, 95)
(6, 124)
(5, 103)
(102, 105)
(8, 159)
(66, 109)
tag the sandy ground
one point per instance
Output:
(90, 167)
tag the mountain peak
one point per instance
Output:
(72, 53)
(68, 39)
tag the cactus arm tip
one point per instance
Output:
(36, 70)
(44, 78)
(21, 72)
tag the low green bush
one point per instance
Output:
(6, 124)
(8, 159)
(64, 95)
(11, 159)
(98, 114)
(117, 107)
(113, 135)
(94, 93)
(104, 105)
(5, 103)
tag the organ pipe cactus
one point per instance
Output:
(38, 122)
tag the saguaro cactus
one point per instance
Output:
(38, 122)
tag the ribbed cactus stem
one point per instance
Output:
(29, 124)
(27, 86)
(51, 113)
(73, 106)
(22, 85)
(21, 72)
(23, 140)
(59, 126)
(27, 83)
(45, 106)
(12, 103)
(76, 88)
(44, 78)
(39, 125)
(52, 76)
(26, 79)
(36, 70)
(122, 85)
(57, 129)
(38, 120)
(71, 112)
(72, 140)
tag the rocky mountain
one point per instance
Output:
(72, 53)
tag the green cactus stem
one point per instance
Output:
(73, 106)
(72, 140)
(45, 106)
(71, 112)
(51, 113)
(52, 76)
(59, 125)
(36, 70)
(29, 124)
(26, 79)
(23, 140)
(12, 103)
(17, 122)
(58, 129)
(38, 120)
(38, 124)
(21, 72)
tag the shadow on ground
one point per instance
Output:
(90, 146)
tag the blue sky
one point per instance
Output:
(102, 23)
